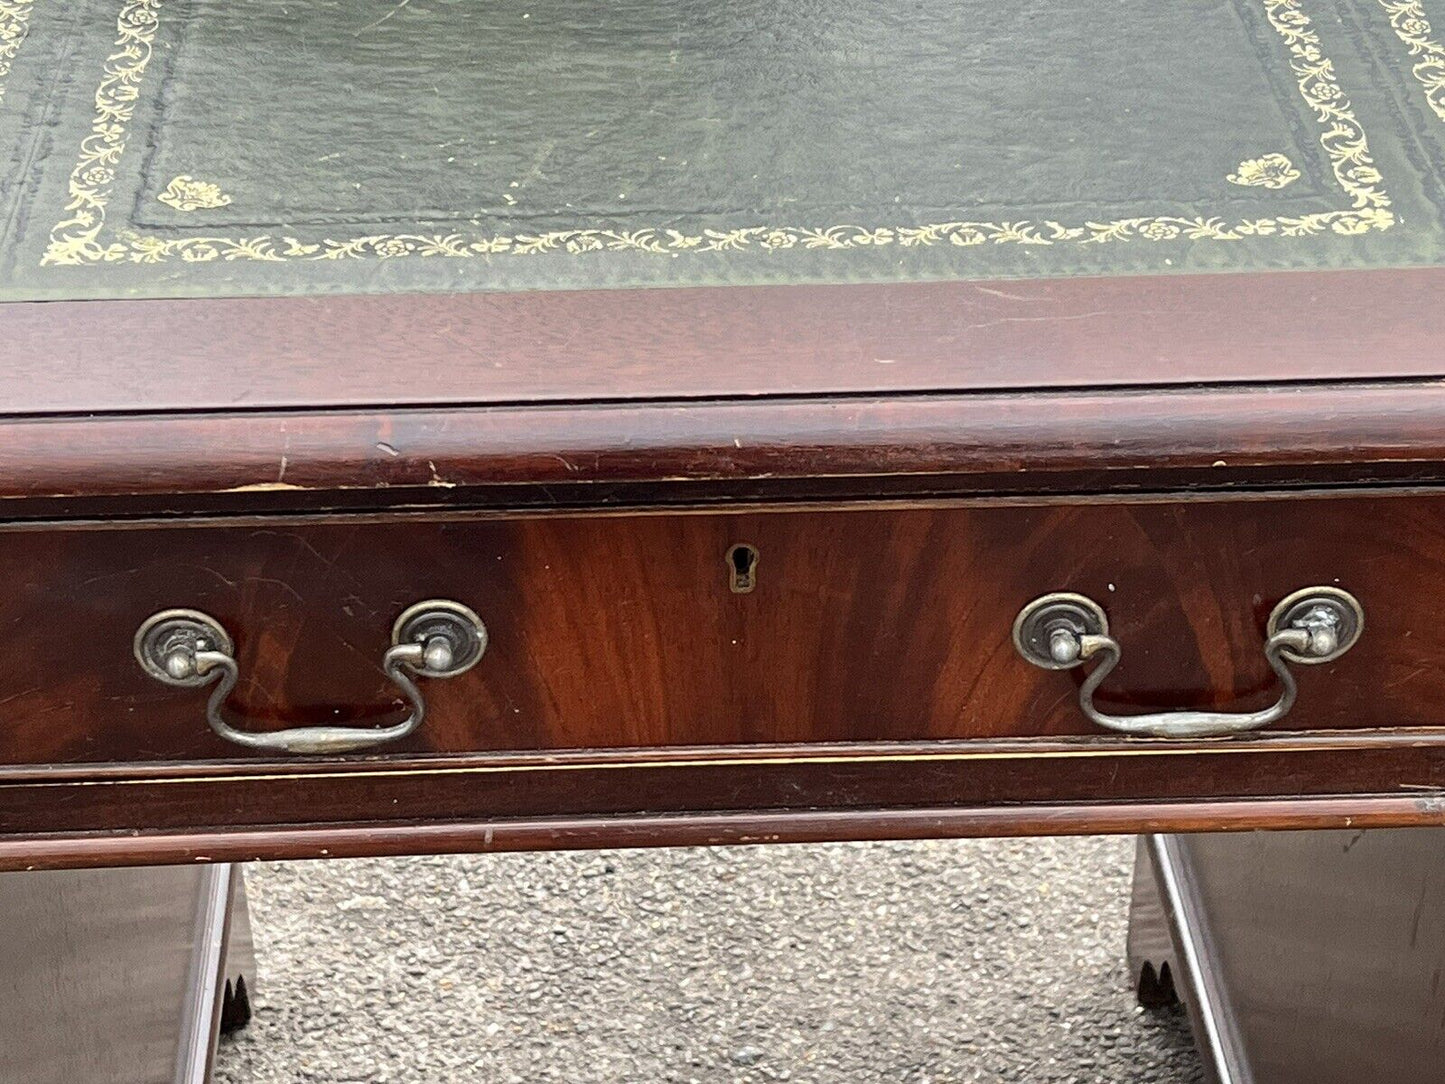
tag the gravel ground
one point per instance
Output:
(906, 963)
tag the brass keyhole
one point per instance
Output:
(742, 562)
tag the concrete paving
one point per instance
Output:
(907, 963)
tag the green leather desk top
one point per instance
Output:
(224, 147)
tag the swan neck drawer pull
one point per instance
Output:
(1062, 630)
(434, 639)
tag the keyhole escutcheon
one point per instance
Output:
(742, 562)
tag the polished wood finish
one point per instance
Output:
(600, 454)
(621, 632)
(576, 466)
(380, 793)
(370, 839)
(254, 353)
(870, 669)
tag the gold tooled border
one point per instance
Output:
(1408, 20)
(79, 238)
(14, 26)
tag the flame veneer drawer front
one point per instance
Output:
(756, 628)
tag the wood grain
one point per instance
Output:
(602, 454)
(621, 633)
(235, 798)
(356, 351)
(869, 673)
(358, 840)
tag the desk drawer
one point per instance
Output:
(852, 674)
(877, 625)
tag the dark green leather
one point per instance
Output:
(258, 146)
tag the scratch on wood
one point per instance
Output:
(263, 487)
(436, 479)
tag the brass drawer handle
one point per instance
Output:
(1062, 630)
(434, 639)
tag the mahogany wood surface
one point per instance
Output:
(870, 669)
(889, 624)
(356, 840)
(779, 449)
(361, 454)
(253, 353)
(261, 798)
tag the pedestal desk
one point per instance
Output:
(726, 619)
(469, 426)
